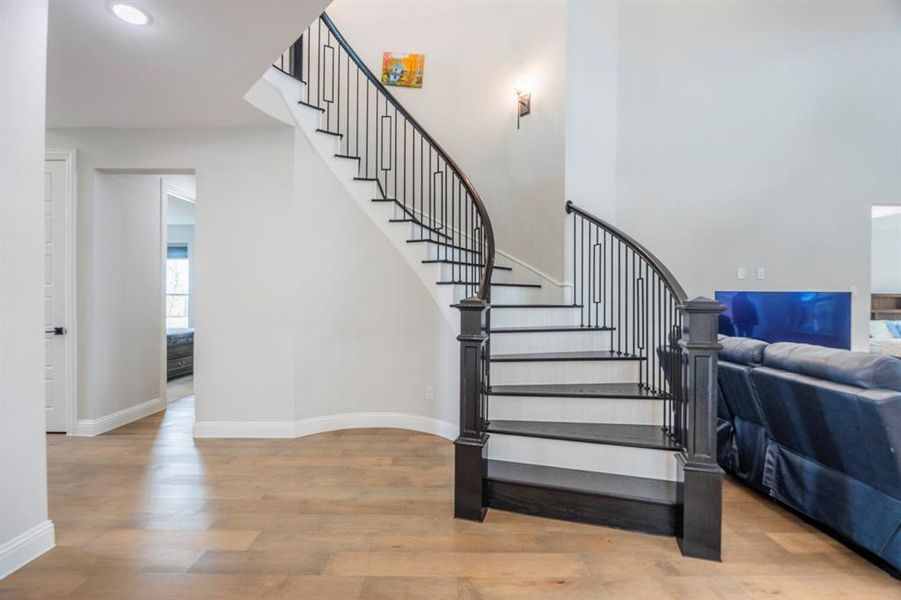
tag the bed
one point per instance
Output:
(883, 338)
(179, 352)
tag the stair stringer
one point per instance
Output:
(306, 120)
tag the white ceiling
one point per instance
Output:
(189, 68)
(179, 211)
(885, 211)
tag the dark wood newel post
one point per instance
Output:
(469, 447)
(700, 486)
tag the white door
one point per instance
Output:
(56, 293)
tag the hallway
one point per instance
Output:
(146, 511)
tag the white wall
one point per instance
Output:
(758, 135)
(304, 309)
(370, 336)
(25, 531)
(119, 365)
(591, 110)
(473, 53)
(244, 350)
(184, 234)
(885, 258)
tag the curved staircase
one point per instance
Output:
(593, 403)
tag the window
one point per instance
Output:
(177, 288)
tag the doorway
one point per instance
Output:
(180, 198)
(885, 280)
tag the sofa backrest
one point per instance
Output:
(839, 408)
(858, 369)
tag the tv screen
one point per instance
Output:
(821, 318)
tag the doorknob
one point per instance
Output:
(56, 330)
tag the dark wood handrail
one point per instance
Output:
(668, 278)
(485, 282)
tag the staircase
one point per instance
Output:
(591, 403)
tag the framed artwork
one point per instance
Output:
(402, 69)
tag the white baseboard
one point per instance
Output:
(26, 547)
(92, 427)
(304, 427)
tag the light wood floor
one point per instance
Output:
(148, 512)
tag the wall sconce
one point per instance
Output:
(523, 89)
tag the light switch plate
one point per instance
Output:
(761, 273)
(742, 273)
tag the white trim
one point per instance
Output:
(163, 254)
(92, 427)
(313, 425)
(67, 155)
(25, 547)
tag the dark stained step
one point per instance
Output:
(445, 244)
(633, 503)
(348, 156)
(464, 264)
(577, 390)
(615, 434)
(564, 356)
(548, 328)
(334, 133)
(426, 227)
(313, 106)
(500, 284)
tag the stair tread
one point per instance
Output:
(348, 156)
(460, 262)
(498, 283)
(577, 390)
(334, 133)
(639, 436)
(563, 356)
(656, 491)
(548, 328)
(319, 108)
(440, 243)
(418, 224)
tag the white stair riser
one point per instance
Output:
(601, 458)
(576, 410)
(502, 294)
(434, 251)
(549, 341)
(419, 232)
(451, 272)
(533, 317)
(564, 371)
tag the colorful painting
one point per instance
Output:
(402, 69)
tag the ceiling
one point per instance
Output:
(189, 67)
(885, 211)
(179, 211)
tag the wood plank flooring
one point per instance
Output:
(146, 511)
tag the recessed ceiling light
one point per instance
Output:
(131, 14)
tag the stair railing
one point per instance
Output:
(619, 285)
(429, 190)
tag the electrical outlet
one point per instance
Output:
(853, 291)
(429, 392)
(761, 273)
(742, 273)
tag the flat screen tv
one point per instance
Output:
(821, 318)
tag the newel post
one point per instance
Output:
(700, 487)
(469, 447)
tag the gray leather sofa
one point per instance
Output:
(829, 423)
